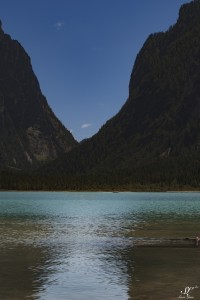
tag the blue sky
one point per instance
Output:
(83, 51)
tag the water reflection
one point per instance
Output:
(152, 273)
(81, 246)
(24, 271)
(161, 273)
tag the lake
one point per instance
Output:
(81, 246)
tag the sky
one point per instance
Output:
(83, 51)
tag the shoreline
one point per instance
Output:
(101, 191)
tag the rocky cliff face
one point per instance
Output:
(30, 133)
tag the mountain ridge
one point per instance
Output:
(159, 122)
(154, 140)
(30, 132)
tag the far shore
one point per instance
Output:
(102, 191)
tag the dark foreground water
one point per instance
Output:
(73, 246)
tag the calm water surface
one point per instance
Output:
(71, 246)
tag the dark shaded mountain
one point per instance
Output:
(154, 140)
(155, 137)
(29, 131)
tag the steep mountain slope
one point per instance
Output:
(29, 131)
(156, 134)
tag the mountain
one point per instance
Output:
(154, 140)
(155, 137)
(30, 133)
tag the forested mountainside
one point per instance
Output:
(30, 133)
(154, 140)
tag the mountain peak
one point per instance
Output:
(189, 12)
(30, 133)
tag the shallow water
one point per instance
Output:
(81, 245)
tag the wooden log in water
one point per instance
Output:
(167, 242)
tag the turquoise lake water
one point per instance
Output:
(81, 246)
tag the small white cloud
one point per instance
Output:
(58, 25)
(86, 125)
